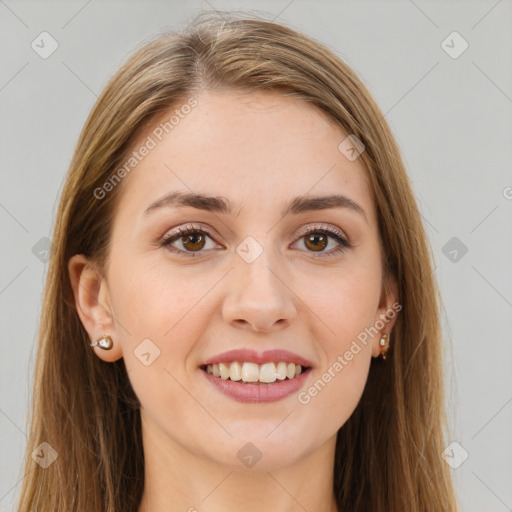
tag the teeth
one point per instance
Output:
(281, 370)
(268, 372)
(235, 371)
(252, 372)
(224, 371)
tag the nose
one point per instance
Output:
(259, 297)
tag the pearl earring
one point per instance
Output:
(384, 345)
(105, 342)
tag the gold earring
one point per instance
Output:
(384, 345)
(105, 342)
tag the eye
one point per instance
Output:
(193, 240)
(317, 239)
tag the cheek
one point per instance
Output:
(160, 315)
(154, 301)
(346, 314)
(157, 325)
(339, 382)
(330, 400)
(345, 303)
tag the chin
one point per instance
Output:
(261, 449)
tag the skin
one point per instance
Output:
(258, 150)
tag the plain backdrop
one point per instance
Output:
(450, 112)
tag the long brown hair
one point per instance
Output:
(389, 452)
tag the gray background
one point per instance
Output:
(451, 117)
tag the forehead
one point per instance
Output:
(257, 149)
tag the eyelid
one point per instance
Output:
(302, 231)
(330, 230)
(325, 227)
(183, 230)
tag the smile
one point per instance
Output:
(253, 372)
(249, 376)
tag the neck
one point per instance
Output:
(178, 480)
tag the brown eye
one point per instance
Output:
(316, 242)
(193, 242)
(190, 241)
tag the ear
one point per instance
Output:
(93, 305)
(387, 311)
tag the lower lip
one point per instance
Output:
(258, 393)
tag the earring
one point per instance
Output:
(105, 342)
(384, 345)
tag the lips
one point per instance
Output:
(253, 377)
(251, 356)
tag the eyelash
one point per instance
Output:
(337, 235)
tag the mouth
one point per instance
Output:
(251, 377)
(251, 387)
(246, 372)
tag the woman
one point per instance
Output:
(240, 311)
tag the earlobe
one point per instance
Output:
(92, 302)
(386, 317)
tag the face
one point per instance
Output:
(260, 270)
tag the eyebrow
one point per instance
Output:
(297, 205)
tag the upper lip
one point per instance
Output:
(252, 356)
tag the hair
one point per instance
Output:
(389, 452)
